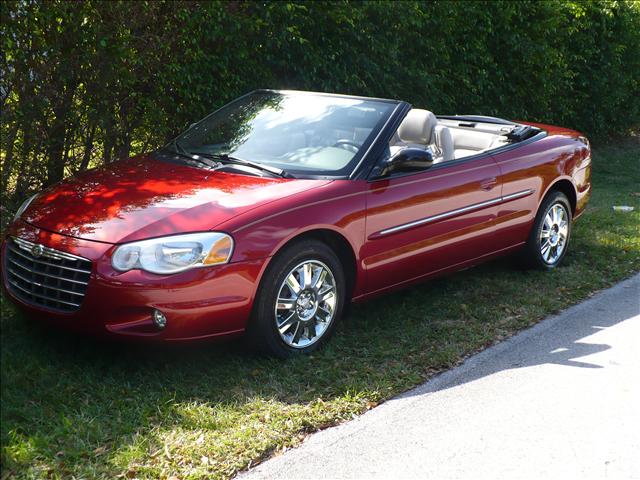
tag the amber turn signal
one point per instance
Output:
(220, 251)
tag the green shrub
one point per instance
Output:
(85, 83)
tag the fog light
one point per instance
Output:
(159, 320)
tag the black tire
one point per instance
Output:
(532, 255)
(262, 331)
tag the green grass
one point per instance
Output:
(74, 407)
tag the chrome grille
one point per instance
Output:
(46, 277)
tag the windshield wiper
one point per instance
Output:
(183, 152)
(226, 158)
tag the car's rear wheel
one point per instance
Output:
(299, 302)
(548, 241)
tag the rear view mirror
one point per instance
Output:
(408, 159)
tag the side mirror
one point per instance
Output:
(408, 159)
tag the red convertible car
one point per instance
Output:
(269, 215)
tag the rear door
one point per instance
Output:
(424, 222)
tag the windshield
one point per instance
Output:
(298, 133)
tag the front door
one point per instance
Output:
(424, 222)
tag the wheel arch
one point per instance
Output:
(566, 186)
(335, 240)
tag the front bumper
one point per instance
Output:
(199, 303)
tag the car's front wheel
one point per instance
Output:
(299, 300)
(549, 237)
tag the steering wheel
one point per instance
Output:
(347, 145)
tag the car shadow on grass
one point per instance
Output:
(65, 392)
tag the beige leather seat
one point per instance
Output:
(467, 142)
(417, 127)
(420, 128)
(444, 142)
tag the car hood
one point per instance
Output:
(143, 197)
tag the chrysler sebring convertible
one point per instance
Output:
(270, 215)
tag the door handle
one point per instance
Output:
(488, 183)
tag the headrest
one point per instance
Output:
(417, 127)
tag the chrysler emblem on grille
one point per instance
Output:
(37, 250)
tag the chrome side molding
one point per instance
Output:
(453, 213)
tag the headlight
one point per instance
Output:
(24, 206)
(174, 254)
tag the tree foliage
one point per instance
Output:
(89, 82)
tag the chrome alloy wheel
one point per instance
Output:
(306, 304)
(554, 233)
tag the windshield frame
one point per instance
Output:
(359, 160)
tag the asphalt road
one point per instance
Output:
(560, 400)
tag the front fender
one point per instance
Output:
(338, 207)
